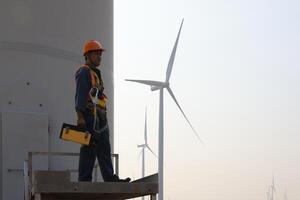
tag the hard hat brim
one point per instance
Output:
(94, 50)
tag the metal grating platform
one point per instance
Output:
(56, 185)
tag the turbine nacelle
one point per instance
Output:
(158, 87)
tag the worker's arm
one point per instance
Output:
(82, 93)
(80, 119)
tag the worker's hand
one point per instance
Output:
(80, 120)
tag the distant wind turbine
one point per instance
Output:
(268, 194)
(285, 195)
(143, 146)
(158, 85)
(273, 189)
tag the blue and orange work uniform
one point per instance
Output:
(101, 147)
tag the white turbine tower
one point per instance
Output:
(273, 189)
(268, 194)
(143, 146)
(158, 85)
(285, 195)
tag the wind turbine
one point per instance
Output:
(285, 195)
(158, 85)
(273, 189)
(268, 193)
(143, 146)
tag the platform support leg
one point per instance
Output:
(153, 197)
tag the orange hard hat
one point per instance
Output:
(92, 45)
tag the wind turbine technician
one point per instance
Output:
(90, 106)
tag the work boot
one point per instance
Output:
(117, 179)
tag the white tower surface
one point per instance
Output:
(40, 50)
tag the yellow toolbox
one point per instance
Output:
(75, 134)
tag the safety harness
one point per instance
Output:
(97, 98)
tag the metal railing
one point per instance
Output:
(28, 167)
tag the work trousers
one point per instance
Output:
(101, 150)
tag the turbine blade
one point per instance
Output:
(172, 57)
(151, 150)
(147, 82)
(174, 98)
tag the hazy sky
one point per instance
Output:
(236, 76)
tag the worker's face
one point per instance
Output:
(95, 57)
